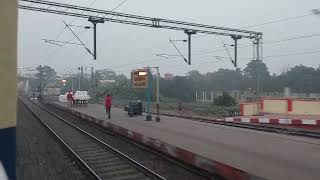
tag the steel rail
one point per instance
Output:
(141, 146)
(136, 164)
(73, 153)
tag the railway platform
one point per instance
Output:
(234, 153)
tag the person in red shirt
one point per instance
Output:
(72, 99)
(108, 104)
(69, 98)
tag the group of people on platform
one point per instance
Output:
(108, 102)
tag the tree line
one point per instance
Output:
(255, 76)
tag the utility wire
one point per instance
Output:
(63, 30)
(278, 21)
(220, 59)
(82, 31)
(73, 20)
(63, 42)
(293, 54)
(120, 4)
(269, 22)
(48, 55)
(265, 42)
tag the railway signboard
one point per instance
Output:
(139, 78)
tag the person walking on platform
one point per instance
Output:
(108, 103)
(69, 99)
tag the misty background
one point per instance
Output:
(122, 48)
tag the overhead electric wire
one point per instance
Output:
(266, 57)
(63, 42)
(278, 21)
(267, 23)
(218, 57)
(47, 55)
(266, 42)
(263, 43)
(85, 29)
(62, 31)
(120, 4)
(293, 54)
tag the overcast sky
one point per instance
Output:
(121, 47)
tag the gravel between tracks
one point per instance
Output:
(39, 155)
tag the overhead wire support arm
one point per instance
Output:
(78, 38)
(178, 51)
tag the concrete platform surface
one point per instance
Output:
(261, 154)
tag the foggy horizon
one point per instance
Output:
(123, 48)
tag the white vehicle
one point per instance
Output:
(81, 96)
(63, 98)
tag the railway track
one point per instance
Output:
(99, 159)
(161, 163)
(158, 163)
(260, 127)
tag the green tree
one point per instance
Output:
(225, 100)
(256, 68)
(105, 74)
(256, 73)
(180, 87)
(46, 74)
(224, 79)
(303, 79)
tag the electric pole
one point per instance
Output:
(41, 79)
(95, 21)
(92, 84)
(189, 33)
(235, 38)
(259, 78)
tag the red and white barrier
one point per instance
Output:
(264, 120)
